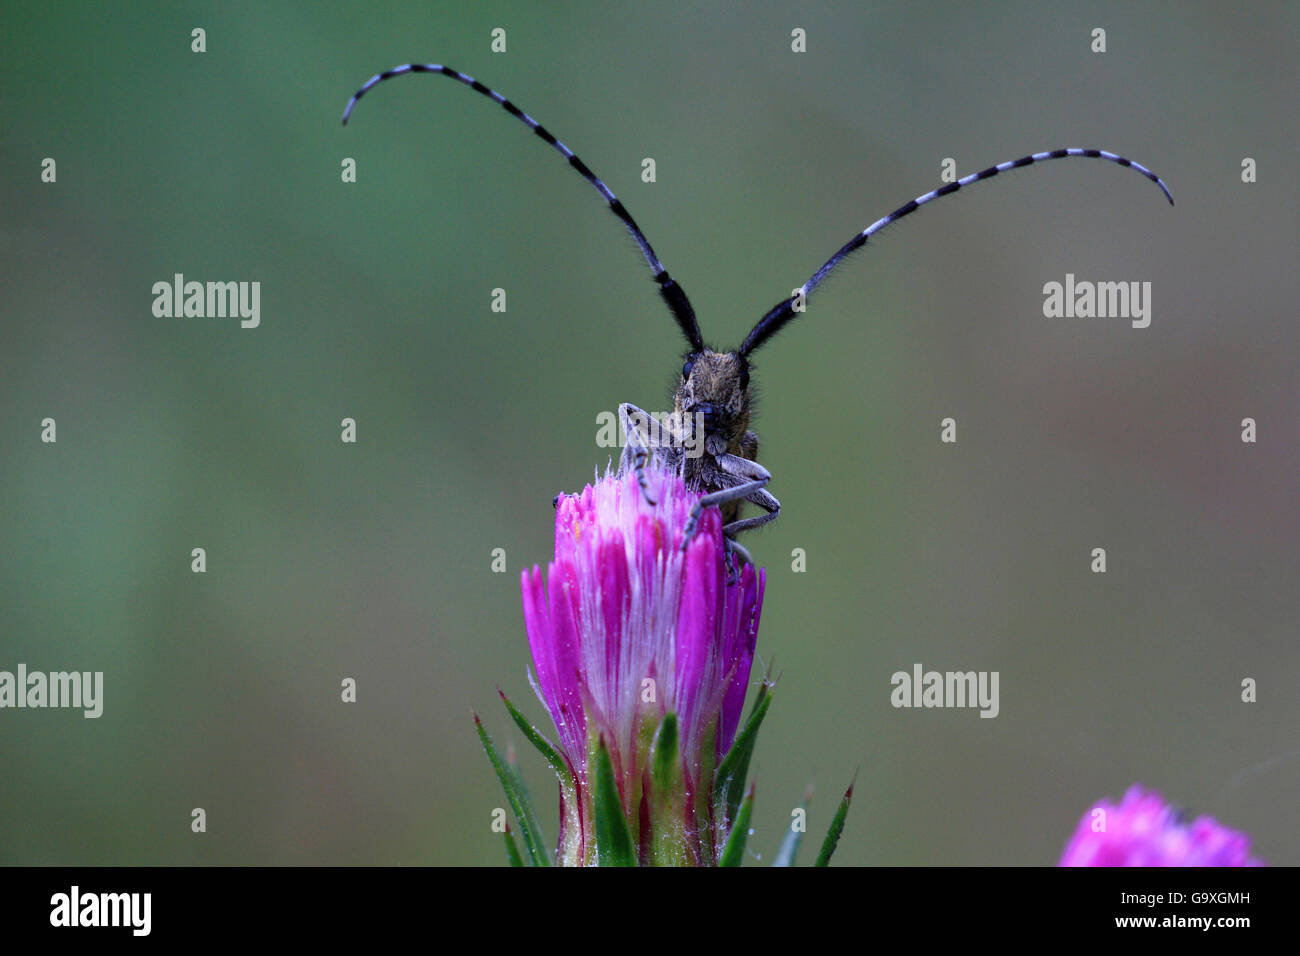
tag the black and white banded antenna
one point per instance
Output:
(672, 293)
(783, 312)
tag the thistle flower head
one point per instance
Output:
(1143, 830)
(642, 651)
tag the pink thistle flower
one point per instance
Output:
(643, 648)
(1143, 830)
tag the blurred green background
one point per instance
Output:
(328, 560)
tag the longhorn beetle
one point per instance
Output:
(714, 394)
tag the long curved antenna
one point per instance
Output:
(775, 319)
(673, 294)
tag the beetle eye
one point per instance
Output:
(686, 369)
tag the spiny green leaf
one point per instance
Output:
(526, 803)
(512, 850)
(670, 841)
(729, 783)
(711, 836)
(538, 854)
(667, 767)
(613, 839)
(734, 851)
(837, 827)
(535, 738)
(568, 787)
(790, 842)
(765, 687)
